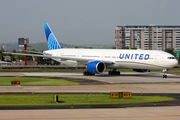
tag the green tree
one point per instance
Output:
(1, 54)
(14, 51)
(89, 47)
(113, 47)
(171, 51)
(21, 57)
(127, 47)
(13, 56)
(134, 48)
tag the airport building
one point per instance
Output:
(148, 37)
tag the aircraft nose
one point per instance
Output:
(176, 63)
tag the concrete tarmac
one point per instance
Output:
(125, 77)
(148, 113)
(134, 88)
(126, 82)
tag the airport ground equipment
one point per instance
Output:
(121, 94)
(55, 97)
(15, 82)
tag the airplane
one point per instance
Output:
(98, 60)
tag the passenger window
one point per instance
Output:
(171, 58)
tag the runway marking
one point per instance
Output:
(155, 116)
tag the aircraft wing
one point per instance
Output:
(37, 52)
(64, 58)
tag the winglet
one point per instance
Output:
(51, 39)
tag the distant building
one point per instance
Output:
(7, 58)
(3, 48)
(2, 63)
(150, 37)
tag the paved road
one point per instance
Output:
(148, 113)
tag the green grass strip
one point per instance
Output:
(69, 99)
(35, 81)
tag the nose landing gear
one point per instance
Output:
(164, 76)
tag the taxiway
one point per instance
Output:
(131, 82)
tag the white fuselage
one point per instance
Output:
(133, 59)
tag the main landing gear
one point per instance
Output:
(114, 72)
(87, 73)
(164, 76)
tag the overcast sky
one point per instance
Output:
(81, 22)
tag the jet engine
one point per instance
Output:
(96, 67)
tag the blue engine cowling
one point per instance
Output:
(141, 70)
(96, 67)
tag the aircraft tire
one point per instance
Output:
(114, 73)
(84, 73)
(164, 76)
(110, 72)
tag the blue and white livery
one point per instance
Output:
(51, 39)
(97, 60)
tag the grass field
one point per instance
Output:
(35, 81)
(85, 99)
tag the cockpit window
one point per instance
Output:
(171, 57)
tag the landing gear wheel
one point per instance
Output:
(84, 73)
(88, 73)
(110, 72)
(164, 76)
(114, 72)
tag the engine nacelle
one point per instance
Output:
(141, 70)
(96, 67)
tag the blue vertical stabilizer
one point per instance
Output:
(51, 39)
